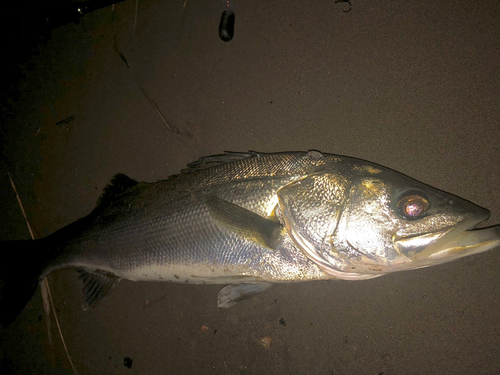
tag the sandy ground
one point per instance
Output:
(414, 86)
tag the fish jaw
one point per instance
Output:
(429, 249)
(468, 243)
(449, 245)
(447, 235)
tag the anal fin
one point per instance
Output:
(231, 294)
(97, 286)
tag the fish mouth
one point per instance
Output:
(432, 248)
(450, 244)
(469, 242)
(422, 250)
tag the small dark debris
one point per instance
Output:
(215, 331)
(122, 56)
(127, 361)
(148, 303)
(176, 276)
(124, 59)
(386, 357)
(345, 1)
(275, 300)
(282, 322)
(65, 121)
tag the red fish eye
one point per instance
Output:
(413, 206)
(413, 209)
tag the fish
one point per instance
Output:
(248, 221)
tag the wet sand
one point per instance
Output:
(412, 86)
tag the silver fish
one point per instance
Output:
(247, 220)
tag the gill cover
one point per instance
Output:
(311, 208)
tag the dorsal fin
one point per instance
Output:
(214, 160)
(118, 185)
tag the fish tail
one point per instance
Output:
(21, 269)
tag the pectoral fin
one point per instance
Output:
(97, 285)
(231, 294)
(243, 222)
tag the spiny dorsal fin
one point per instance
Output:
(118, 185)
(97, 285)
(215, 160)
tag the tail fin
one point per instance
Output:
(21, 268)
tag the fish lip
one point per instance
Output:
(457, 242)
(469, 242)
(449, 235)
(447, 248)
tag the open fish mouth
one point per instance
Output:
(428, 249)
(468, 243)
(417, 251)
(451, 244)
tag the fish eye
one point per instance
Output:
(413, 206)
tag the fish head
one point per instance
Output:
(382, 221)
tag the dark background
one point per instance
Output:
(414, 86)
